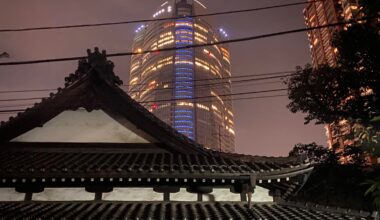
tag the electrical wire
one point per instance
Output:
(199, 85)
(19, 105)
(195, 80)
(166, 100)
(221, 95)
(236, 40)
(225, 78)
(158, 19)
(251, 84)
(22, 99)
(42, 90)
(206, 85)
(12, 111)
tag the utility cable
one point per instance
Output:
(216, 83)
(158, 19)
(251, 84)
(222, 95)
(236, 40)
(11, 111)
(207, 85)
(195, 80)
(166, 100)
(224, 78)
(48, 90)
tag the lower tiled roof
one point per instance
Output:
(167, 210)
(126, 165)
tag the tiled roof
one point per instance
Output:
(166, 210)
(126, 164)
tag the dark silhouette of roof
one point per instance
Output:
(94, 86)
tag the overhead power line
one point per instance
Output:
(244, 85)
(166, 100)
(227, 78)
(211, 96)
(206, 85)
(224, 81)
(26, 90)
(158, 19)
(48, 90)
(12, 111)
(236, 40)
(19, 105)
(22, 99)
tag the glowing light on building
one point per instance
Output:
(201, 4)
(141, 27)
(223, 32)
(184, 87)
(165, 3)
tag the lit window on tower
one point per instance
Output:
(200, 27)
(134, 81)
(218, 97)
(202, 63)
(203, 107)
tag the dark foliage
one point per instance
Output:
(339, 186)
(315, 153)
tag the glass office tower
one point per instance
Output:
(187, 88)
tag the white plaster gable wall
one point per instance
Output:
(81, 126)
(7, 194)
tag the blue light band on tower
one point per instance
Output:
(184, 78)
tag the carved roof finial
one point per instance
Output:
(96, 63)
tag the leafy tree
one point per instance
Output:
(320, 93)
(354, 155)
(316, 153)
(374, 191)
(368, 137)
(351, 90)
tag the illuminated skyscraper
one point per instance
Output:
(319, 13)
(170, 84)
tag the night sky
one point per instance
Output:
(262, 126)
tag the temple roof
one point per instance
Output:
(126, 165)
(169, 158)
(95, 86)
(173, 210)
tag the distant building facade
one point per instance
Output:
(318, 13)
(170, 83)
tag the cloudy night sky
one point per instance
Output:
(263, 126)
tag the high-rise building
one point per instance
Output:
(319, 13)
(171, 83)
